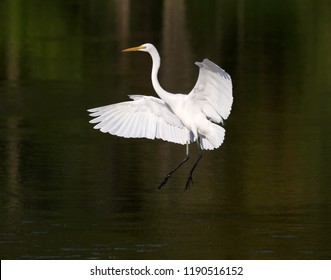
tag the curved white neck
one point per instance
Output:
(164, 95)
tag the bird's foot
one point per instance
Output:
(189, 182)
(165, 180)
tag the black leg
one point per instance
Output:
(189, 178)
(166, 178)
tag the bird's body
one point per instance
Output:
(178, 118)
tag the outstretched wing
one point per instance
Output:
(213, 91)
(144, 117)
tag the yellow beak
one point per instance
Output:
(134, 49)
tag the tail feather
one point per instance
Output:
(213, 139)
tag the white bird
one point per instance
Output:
(177, 118)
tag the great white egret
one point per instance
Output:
(177, 118)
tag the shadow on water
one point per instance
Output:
(70, 192)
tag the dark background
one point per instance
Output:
(70, 192)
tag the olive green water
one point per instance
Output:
(70, 192)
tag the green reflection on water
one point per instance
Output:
(68, 191)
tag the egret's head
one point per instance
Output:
(143, 48)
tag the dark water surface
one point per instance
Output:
(70, 192)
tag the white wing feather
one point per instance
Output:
(213, 91)
(144, 117)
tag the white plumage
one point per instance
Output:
(144, 117)
(177, 118)
(213, 91)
